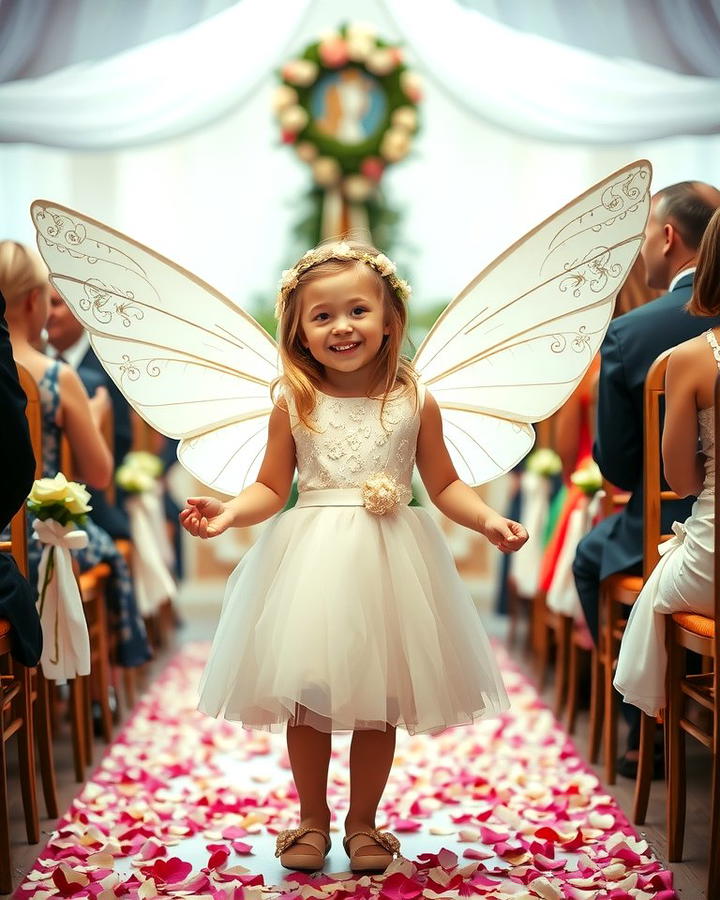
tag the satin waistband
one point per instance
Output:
(334, 497)
(330, 497)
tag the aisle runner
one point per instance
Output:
(183, 805)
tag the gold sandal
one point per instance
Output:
(311, 860)
(372, 862)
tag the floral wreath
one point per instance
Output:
(355, 167)
(341, 250)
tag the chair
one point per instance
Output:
(16, 691)
(619, 592)
(698, 633)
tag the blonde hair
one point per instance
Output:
(21, 271)
(302, 373)
(705, 299)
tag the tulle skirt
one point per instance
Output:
(343, 620)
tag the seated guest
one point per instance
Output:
(69, 342)
(17, 463)
(682, 581)
(678, 217)
(67, 408)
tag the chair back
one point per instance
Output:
(653, 495)
(33, 413)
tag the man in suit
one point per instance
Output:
(69, 341)
(678, 217)
(17, 465)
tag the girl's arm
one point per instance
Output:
(78, 418)
(683, 464)
(207, 517)
(457, 500)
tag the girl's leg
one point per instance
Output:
(371, 757)
(309, 752)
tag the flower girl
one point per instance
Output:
(349, 614)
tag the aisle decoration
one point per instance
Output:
(348, 105)
(185, 805)
(535, 485)
(60, 508)
(152, 556)
(562, 596)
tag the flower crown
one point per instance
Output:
(380, 263)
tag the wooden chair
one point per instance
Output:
(697, 633)
(619, 592)
(16, 691)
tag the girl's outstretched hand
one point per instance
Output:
(206, 517)
(504, 534)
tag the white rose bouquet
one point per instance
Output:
(139, 472)
(59, 499)
(544, 461)
(154, 556)
(588, 478)
(59, 507)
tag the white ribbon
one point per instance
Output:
(66, 644)
(562, 596)
(679, 531)
(535, 503)
(151, 550)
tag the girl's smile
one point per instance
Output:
(343, 324)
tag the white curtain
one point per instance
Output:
(159, 90)
(681, 35)
(520, 82)
(543, 89)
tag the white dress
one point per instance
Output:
(342, 619)
(682, 581)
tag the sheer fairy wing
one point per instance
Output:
(513, 345)
(191, 362)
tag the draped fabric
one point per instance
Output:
(156, 91)
(518, 81)
(681, 35)
(537, 87)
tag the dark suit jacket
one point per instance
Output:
(631, 345)
(112, 519)
(17, 468)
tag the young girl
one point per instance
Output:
(682, 581)
(349, 614)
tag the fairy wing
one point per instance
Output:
(191, 362)
(513, 345)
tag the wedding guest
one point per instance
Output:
(17, 463)
(68, 409)
(679, 215)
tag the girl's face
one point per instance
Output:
(343, 321)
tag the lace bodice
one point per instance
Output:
(706, 425)
(352, 444)
(707, 445)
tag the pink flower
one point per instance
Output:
(372, 167)
(333, 52)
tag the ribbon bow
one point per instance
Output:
(66, 644)
(679, 531)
